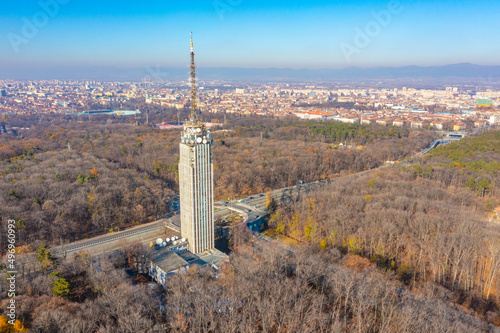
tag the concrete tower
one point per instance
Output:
(196, 178)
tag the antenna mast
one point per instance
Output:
(194, 105)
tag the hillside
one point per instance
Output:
(426, 225)
(118, 175)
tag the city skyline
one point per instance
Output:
(51, 34)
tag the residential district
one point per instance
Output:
(445, 108)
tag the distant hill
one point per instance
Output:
(464, 71)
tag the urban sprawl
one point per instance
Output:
(446, 108)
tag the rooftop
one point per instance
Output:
(170, 261)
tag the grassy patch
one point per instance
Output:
(281, 238)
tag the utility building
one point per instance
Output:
(196, 178)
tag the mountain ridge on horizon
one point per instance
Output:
(484, 73)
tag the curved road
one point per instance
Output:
(169, 225)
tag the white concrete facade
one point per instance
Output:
(196, 187)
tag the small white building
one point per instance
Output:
(481, 123)
(437, 125)
(494, 119)
(417, 124)
(348, 120)
(398, 123)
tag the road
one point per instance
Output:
(435, 143)
(252, 208)
(164, 227)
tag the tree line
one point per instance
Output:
(302, 291)
(413, 227)
(68, 181)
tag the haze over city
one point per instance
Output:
(248, 34)
(249, 166)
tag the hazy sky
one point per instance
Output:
(248, 33)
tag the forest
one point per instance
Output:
(472, 163)
(430, 224)
(260, 290)
(404, 248)
(64, 181)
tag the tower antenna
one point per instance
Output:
(194, 105)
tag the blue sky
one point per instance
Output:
(246, 33)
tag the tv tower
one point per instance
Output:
(194, 105)
(196, 177)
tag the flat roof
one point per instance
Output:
(168, 260)
(214, 257)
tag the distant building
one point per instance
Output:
(345, 99)
(384, 122)
(168, 126)
(68, 111)
(367, 121)
(417, 124)
(483, 102)
(348, 120)
(109, 112)
(240, 91)
(316, 115)
(417, 110)
(398, 123)
(494, 119)
(3, 93)
(459, 126)
(469, 112)
(437, 125)
(481, 123)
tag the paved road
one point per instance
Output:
(164, 227)
(252, 208)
